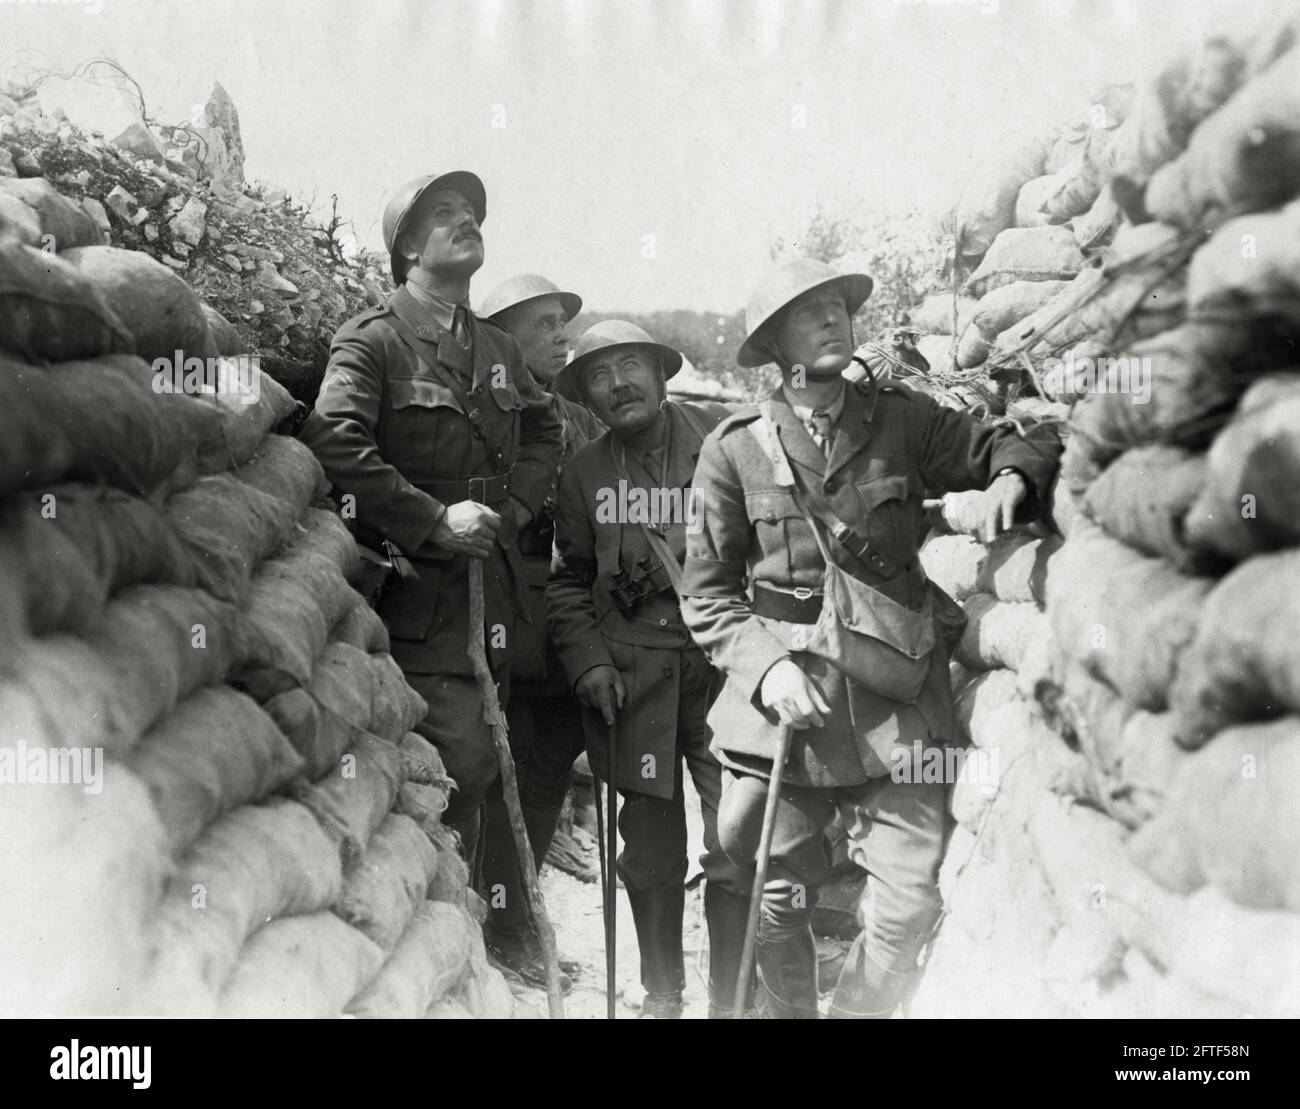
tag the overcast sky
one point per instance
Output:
(711, 127)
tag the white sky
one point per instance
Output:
(623, 118)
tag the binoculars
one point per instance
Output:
(627, 592)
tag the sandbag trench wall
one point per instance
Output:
(211, 798)
(1138, 675)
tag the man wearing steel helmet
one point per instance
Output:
(436, 436)
(545, 721)
(852, 460)
(624, 509)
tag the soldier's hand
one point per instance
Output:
(602, 688)
(467, 528)
(984, 514)
(797, 701)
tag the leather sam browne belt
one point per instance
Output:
(491, 491)
(800, 606)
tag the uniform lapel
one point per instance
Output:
(796, 439)
(853, 432)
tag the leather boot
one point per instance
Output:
(726, 914)
(866, 990)
(787, 977)
(658, 915)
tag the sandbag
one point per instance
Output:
(1249, 500)
(216, 751)
(286, 468)
(352, 800)
(1166, 111)
(229, 527)
(49, 312)
(1016, 567)
(253, 865)
(397, 707)
(424, 804)
(103, 423)
(18, 222)
(158, 308)
(934, 315)
(389, 882)
(1128, 618)
(1229, 819)
(293, 601)
(451, 882)
(151, 646)
(225, 339)
(82, 874)
(242, 426)
(1029, 201)
(1097, 226)
(1149, 757)
(1142, 499)
(64, 223)
(997, 632)
(937, 350)
(1244, 663)
(1026, 254)
(78, 544)
(1244, 157)
(320, 736)
(1065, 146)
(953, 563)
(1250, 267)
(422, 762)
(1130, 291)
(430, 959)
(1194, 374)
(1002, 308)
(300, 967)
(361, 627)
(34, 449)
(487, 996)
(987, 205)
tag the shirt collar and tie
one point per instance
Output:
(820, 422)
(451, 316)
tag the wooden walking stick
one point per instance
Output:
(496, 722)
(610, 854)
(760, 872)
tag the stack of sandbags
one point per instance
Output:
(1173, 668)
(210, 790)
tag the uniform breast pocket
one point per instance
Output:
(892, 508)
(778, 525)
(506, 396)
(412, 422)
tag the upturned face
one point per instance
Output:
(624, 388)
(538, 326)
(816, 332)
(443, 235)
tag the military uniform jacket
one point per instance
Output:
(588, 628)
(536, 669)
(891, 443)
(387, 428)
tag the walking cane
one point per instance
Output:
(760, 872)
(610, 874)
(510, 787)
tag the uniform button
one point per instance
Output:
(832, 486)
(668, 671)
(663, 623)
(771, 517)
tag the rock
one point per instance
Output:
(233, 262)
(223, 162)
(140, 217)
(97, 213)
(7, 164)
(275, 197)
(138, 140)
(155, 194)
(27, 164)
(181, 168)
(176, 263)
(256, 307)
(268, 277)
(189, 223)
(64, 222)
(80, 180)
(151, 232)
(18, 223)
(121, 203)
